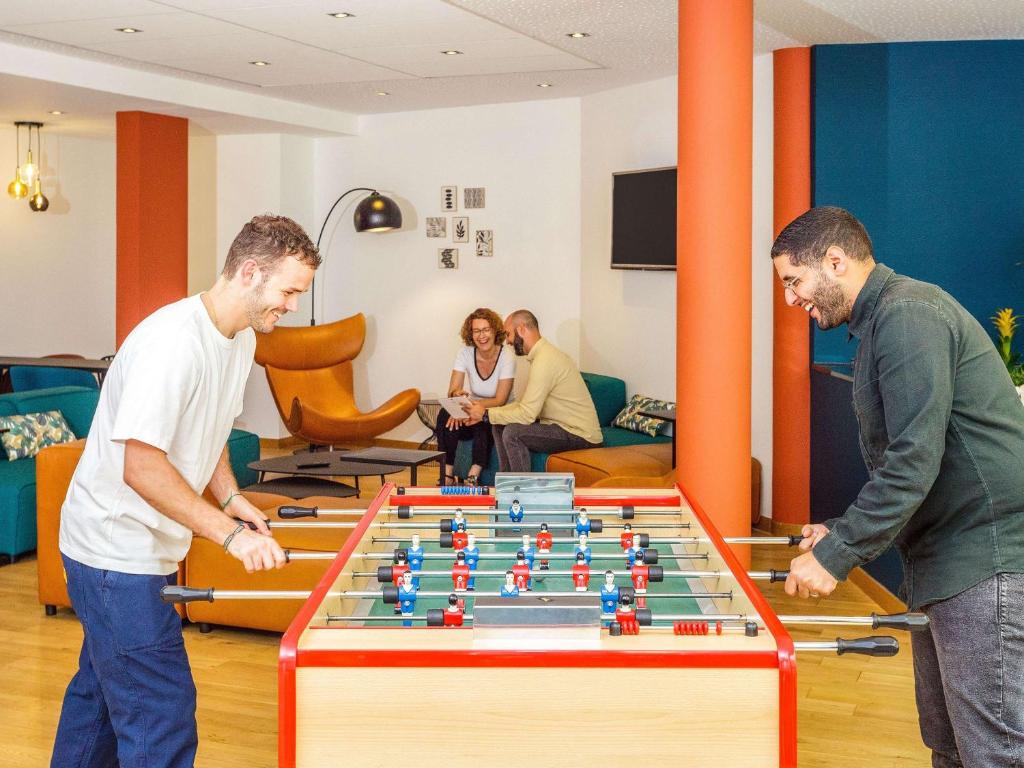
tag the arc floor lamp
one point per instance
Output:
(375, 213)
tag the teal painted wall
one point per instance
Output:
(924, 143)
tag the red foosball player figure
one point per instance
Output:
(460, 573)
(544, 543)
(640, 575)
(626, 616)
(581, 573)
(401, 566)
(521, 572)
(460, 539)
(626, 537)
(453, 615)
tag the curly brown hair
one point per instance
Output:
(493, 319)
(269, 239)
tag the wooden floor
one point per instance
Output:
(854, 712)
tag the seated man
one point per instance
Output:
(555, 413)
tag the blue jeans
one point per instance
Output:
(969, 672)
(132, 701)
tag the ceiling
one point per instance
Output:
(507, 47)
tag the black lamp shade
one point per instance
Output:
(377, 213)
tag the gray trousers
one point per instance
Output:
(515, 441)
(969, 675)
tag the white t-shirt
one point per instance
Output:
(479, 387)
(176, 384)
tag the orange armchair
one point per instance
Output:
(309, 370)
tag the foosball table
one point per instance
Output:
(538, 624)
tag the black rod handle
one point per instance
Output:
(176, 593)
(290, 512)
(878, 645)
(909, 622)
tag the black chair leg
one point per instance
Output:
(51, 610)
(205, 628)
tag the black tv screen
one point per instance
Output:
(644, 219)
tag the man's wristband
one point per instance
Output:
(228, 500)
(227, 542)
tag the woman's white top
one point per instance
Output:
(477, 385)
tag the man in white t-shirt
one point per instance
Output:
(158, 439)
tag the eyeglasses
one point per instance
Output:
(790, 283)
(481, 331)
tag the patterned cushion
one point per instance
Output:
(630, 418)
(25, 436)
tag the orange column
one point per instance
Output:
(152, 215)
(791, 376)
(713, 310)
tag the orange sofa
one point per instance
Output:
(206, 565)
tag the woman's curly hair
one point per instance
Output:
(493, 319)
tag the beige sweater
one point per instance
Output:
(555, 394)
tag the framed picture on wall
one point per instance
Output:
(448, 258)
(449, 199)
(460, 229)
(485, 242)
(437, 226)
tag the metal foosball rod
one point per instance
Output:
(494, 556)
(789, 541)
(385, 575)
(293, 512)
(447, 526)
(177, 594)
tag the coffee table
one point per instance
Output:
(311, 472)
(398, 457)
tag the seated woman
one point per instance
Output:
(483, 371)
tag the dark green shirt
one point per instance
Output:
(942, 434)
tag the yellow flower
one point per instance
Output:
(1005, 322)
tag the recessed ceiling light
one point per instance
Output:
(56, 112)
(578, 34)
(543, 85)
(452, 53)
(128, 30)
(260, 63)
(383, 93)
(341, 15)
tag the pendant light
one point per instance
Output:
(17, 188)
(38, 202)
(30, 171)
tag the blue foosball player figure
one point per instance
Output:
(407, 598)
(472, 553)
(582, 523)
(528, 551)
(414, 555)
(609, 593)
(509, 588)
(635, 553)
(515, 511)
(584, 547)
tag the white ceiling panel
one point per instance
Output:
(46, 11)
(965, 20)
(302, 66)
(90, 33)
(240, 45)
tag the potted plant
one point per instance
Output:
(1006, 325)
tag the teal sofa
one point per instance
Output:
(77, 404)
(609, 396)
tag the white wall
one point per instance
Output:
(262, 173)
(527, 157)
(628, 318)
(57, 267)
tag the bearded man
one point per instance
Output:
(942, 434)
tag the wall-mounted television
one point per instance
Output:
(644, 219)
